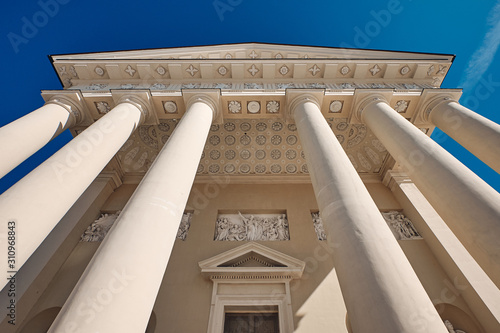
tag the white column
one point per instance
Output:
(470, 207)
(118, 289)
(474, 132)
(381, 291)
(22, 138)
(38, 201)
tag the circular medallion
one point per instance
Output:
(253, 107)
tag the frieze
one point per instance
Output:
(251, 227)
(165, 85)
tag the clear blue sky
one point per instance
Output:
(471, 30)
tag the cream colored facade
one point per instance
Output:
(191, 190)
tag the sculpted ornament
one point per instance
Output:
(314, 70)
(345, 70)
(401, 106)
(170, 107)
(184, 226)
(234, 107)
(99, 71)
(99, 228)
(273, 106)
(450, 328)
(318, 226)
(405, 70)
(248, 227)
(374, 70)
(401, 226)
(102, 107)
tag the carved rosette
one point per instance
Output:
(251, 227)
(401, 226)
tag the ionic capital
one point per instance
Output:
(75, 111)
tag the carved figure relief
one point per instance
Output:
(318, 226)
(450, 328)
(401, 226)
(99, 228)
(251, 227)
(184, 226)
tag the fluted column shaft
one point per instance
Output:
(381, 291)
(38, 201)
(474, 132)
(469, 206)
(118, 289)
(23, 137)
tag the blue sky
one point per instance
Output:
(471, 31)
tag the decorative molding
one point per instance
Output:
(252, 227)
(318, 226)
(345, 70)
(161, 70)
(74, 109)
(401, 226)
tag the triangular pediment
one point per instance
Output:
(252, 259)
(253, 51)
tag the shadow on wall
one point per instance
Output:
(458, 318)
(42, 321)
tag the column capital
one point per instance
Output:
(367, 101)
(75, 111)
(435, 101)
(139, 103)
(209, 97)
(297, 97)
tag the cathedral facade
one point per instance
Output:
(251, 188)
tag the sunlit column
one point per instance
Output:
(23, 137)
(381, 291)
(38, 201)
(125, 274)
(474, 132)
(469, 206)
